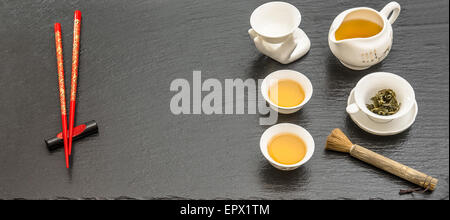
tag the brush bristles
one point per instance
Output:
(337, 141)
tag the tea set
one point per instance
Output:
(275, 32)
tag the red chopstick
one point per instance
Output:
(62, 95)
(73, 85)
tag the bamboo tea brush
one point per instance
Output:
(337, 141)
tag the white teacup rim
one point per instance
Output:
(294, 26)
(309, 147)
(264, 92)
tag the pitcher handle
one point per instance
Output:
(393, 7)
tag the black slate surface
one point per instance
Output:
(130, 53)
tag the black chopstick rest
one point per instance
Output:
(80, 131)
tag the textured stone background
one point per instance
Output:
(131, 51)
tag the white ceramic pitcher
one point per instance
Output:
(362, 53)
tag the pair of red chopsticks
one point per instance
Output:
(73, 85)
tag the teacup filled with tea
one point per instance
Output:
(287, 146)
(286, 91)
(382, 97)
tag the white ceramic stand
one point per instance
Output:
(383, 129)
(295, 47)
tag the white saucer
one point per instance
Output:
(384, 129)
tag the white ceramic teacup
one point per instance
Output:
(287, 128)
(370, 84)
(275, 22)
(273, 78)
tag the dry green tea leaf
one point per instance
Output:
(384, 103)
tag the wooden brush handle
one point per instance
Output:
(394, 167)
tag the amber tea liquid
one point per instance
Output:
(357, 28)
(287, 149)
(286, 93)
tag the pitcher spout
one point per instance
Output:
(342, 42)
(333, 39)
(334, 27)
